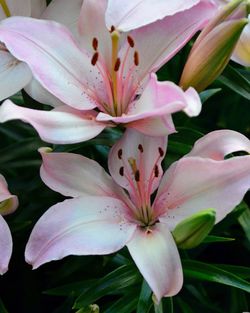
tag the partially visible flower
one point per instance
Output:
(102, 217)
(110, 71)
(8, 204)
(15, 74)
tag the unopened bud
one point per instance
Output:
(193, 230)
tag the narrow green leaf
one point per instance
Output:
(206, 94)
(75, 288)
(126, 304)
(244, 220)
(145, 299)
(168, 305)
(241, 271)
(2, 307)
(210, 239)
(122, 277)
(185, 308)
(207, 272)
(234, 80)
(238, 301)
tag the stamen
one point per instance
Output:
(131, 41)
(161, 152)
(112, 28)
(95, 43)
(117, 65)
(136, 58)
(120, 154)
(140, 148)
(156, 170)
(137, 175)
(5, 8)
(94, 58)
(121, 171)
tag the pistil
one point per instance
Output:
(5, 8)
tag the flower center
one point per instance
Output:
(121, 81)
(5, 8)
(141, 184)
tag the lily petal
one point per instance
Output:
(145, 152)
(126, 15)
(217, 144)
(56, 60)
(8, 202)
(80, 226)
(5, 246)
(38, 7)
(168, 36)
(62, 125)
(154, 252)
(74, 175)
(16, 7)
(14, 75)
(194, 184)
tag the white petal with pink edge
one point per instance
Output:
(74, 175)
(56, 60)
(217, 144)
(194, 184)
(80, 226)
(155, 254)
(126, 14)
(14, 75)
(61, 125)
(5, 246)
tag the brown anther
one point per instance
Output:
(95, 43)
(117, 65)
(136, 58)
(137, 175)
(121, 171)
(161, 152)
(131, 41)
(120, 154)
(140, 148)
(112, 28)
(94, 58)
(156, 170)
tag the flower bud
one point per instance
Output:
(192, 231)
(213, 48)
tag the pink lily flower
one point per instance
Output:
(8, 204)
(15, 74)
(106, 79)
(102, 217)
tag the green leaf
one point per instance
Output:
(238, 301)
(234, 80)
(206, 94)
(241, 271)
(126, 304)
(145, 299)
(244, 220)
(207, 272)
(120, 278)
(185, 308)
(74, 288)
(210, 239)
(2, 307)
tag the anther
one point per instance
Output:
(120, 154)
(117, 65)
(94, 58)
(136, 58)
(140, 148)
(156, 170)
(137, 175)
(161, 152)
(131, 41)
(95, 43)
(121, 171)
(112, 28)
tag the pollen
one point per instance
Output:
(131, 41)
(136, 58)
(119, 154)
(156, 171)
(140, 148)
(112, 28)
(117, 65)
(95, 43)
(121, 171)
(94, 58)
(161, 152)
(137, 175)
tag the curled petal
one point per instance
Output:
(14, 75)
(217, 144)
(80, 226)
(74, 175)
(62, 125)
(137, 151)
(154, 252)
(5, 246)
(126, 15)
(194, 184)
(8, 202)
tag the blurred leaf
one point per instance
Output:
(74, 288)
(126, 304)
(185, 308)
(242, 271)
(166, 305)
(210, 239)
(238, 301)
(120, 278)
(145, 299)
(234, 80)
(66, 306)
(244, 220)
(207, 272)
(206, 94)
(2, 307)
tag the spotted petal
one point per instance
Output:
(80, 226)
